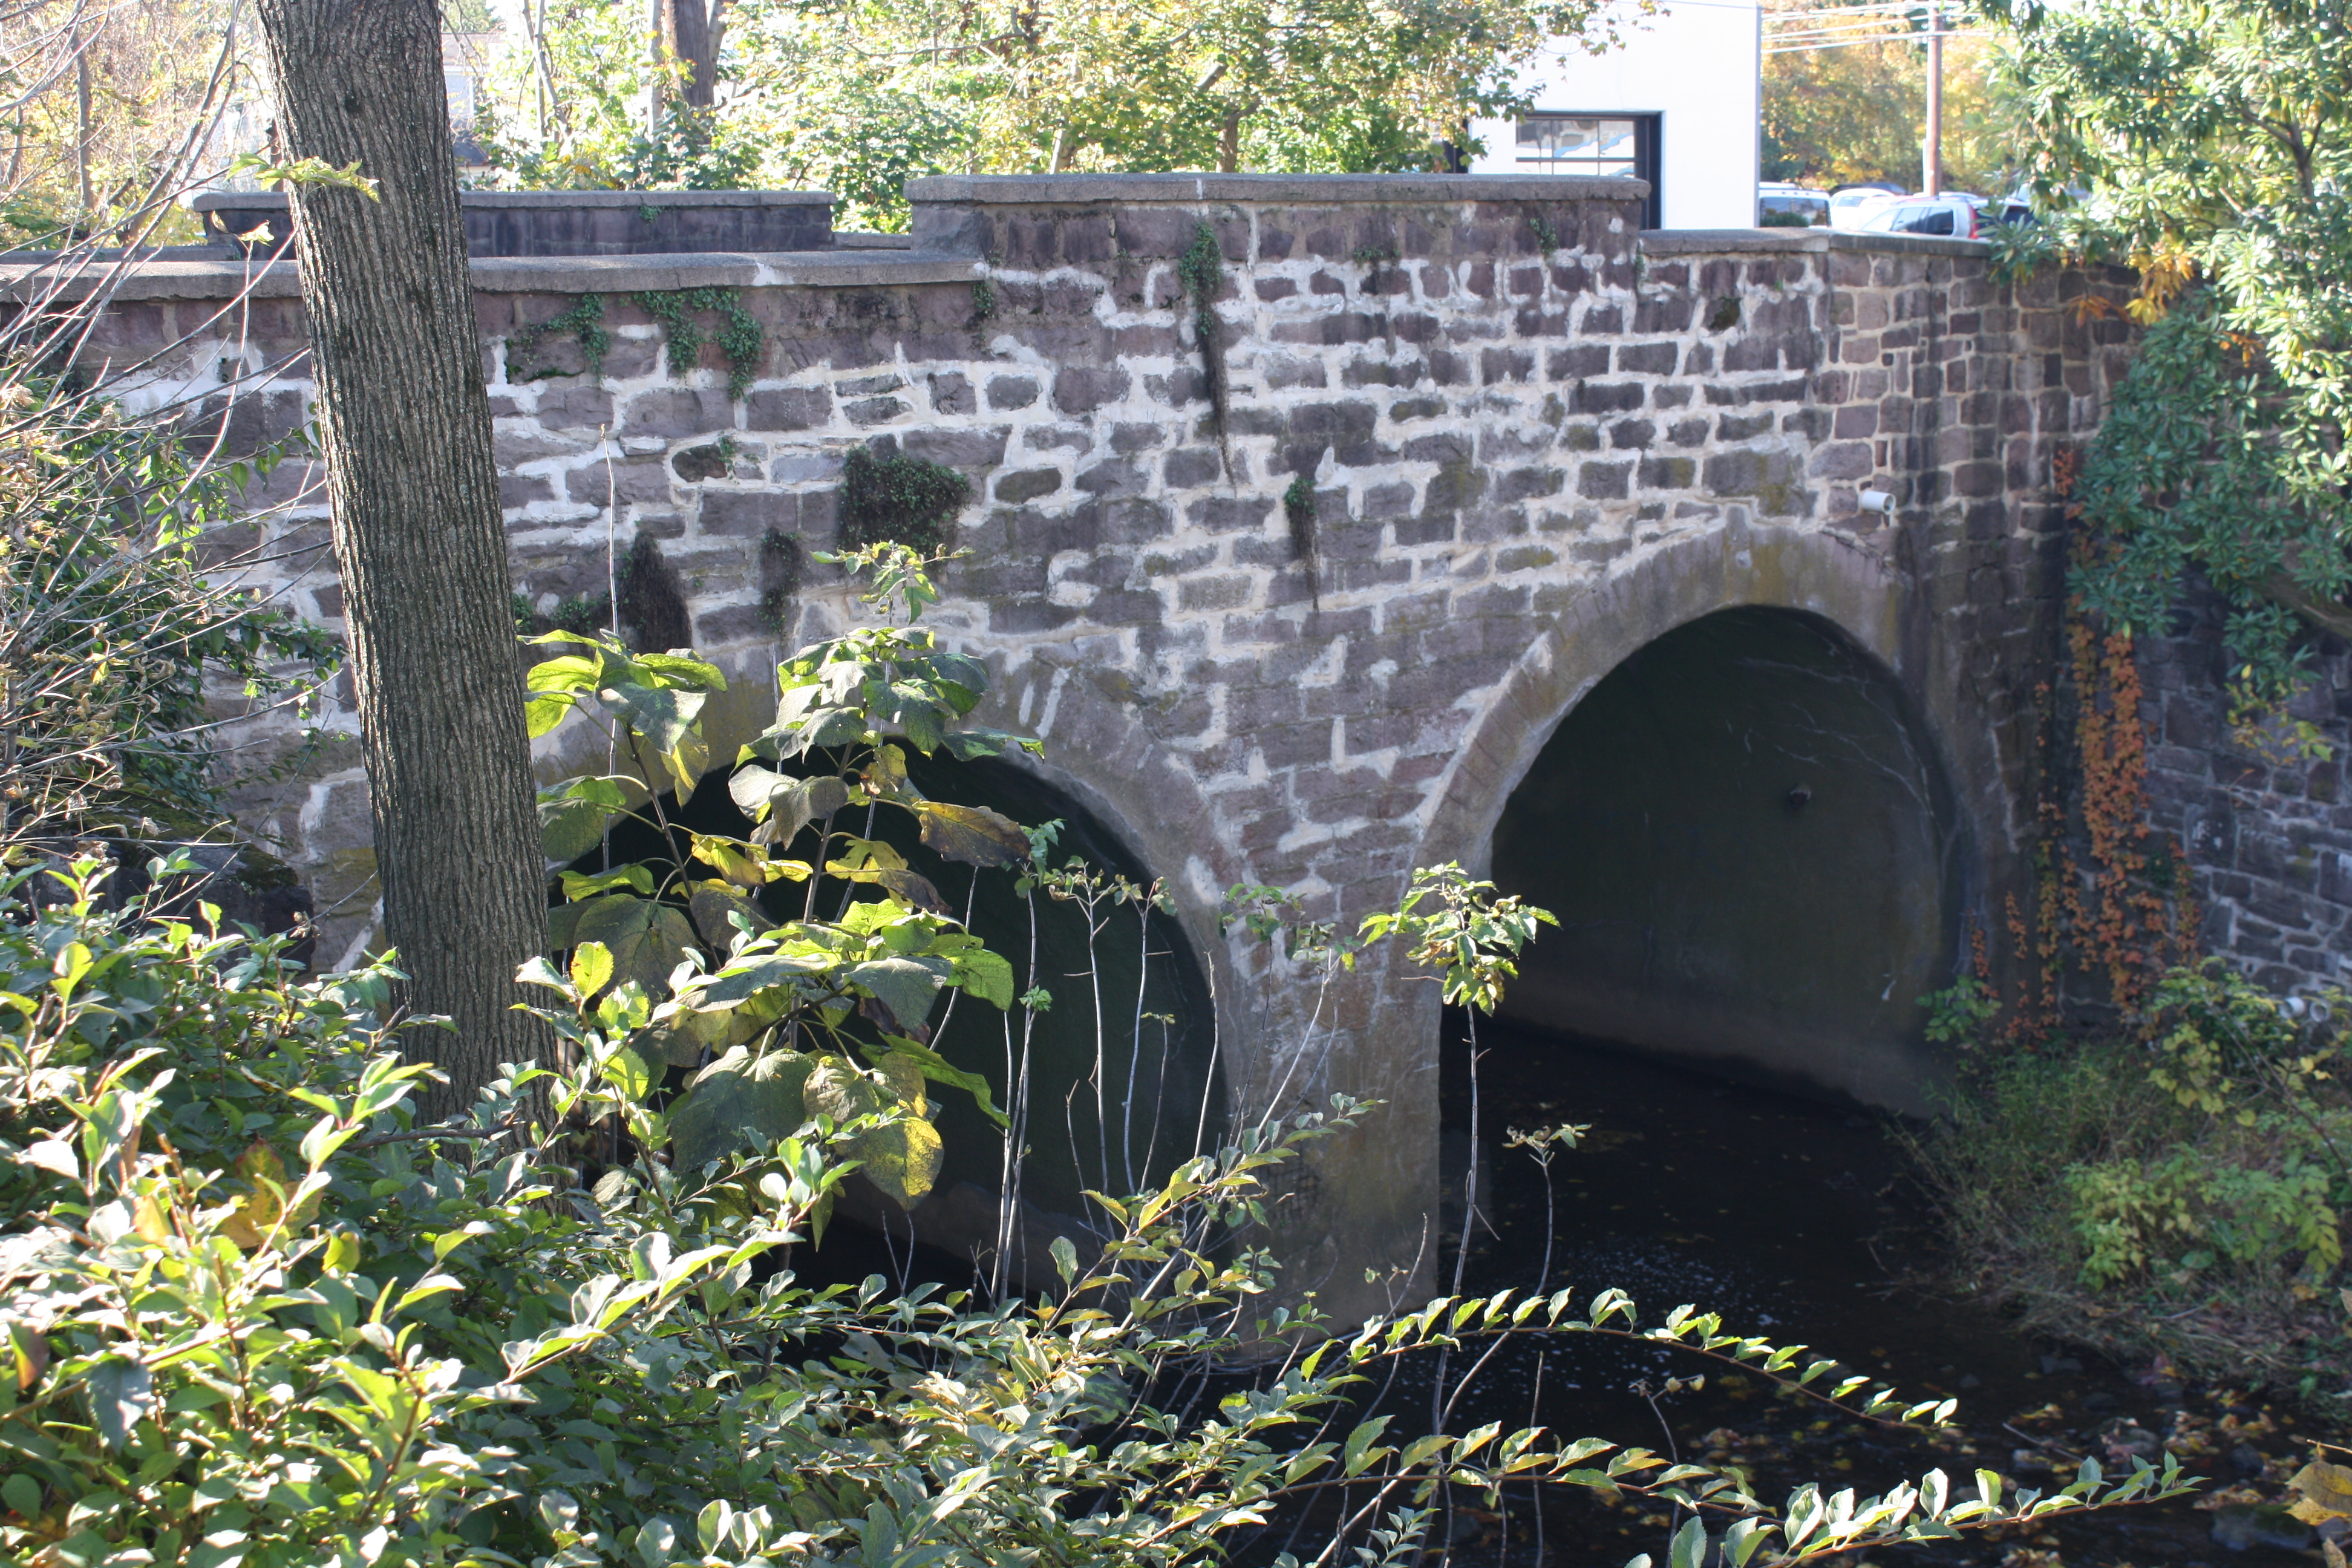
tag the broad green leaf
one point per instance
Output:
(121, 1393)
(972, 834)
(906, 988)
(566, 673)
(635, 877)
(746, 977)
(659, 714)
(984, 974)
(939, 1069)
(913, 889)
(646, 938)
(751, 787)
(676, 668)
(736, 1101)
(629, 1074)
(712, 904)
(591, 968)
(571, 826)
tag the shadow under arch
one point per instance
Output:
(1117, 1075)
(1753, 854)
(1861, 600)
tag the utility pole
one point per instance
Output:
(1932, 157)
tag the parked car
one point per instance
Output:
(1780, 205)
(1849, 202)
(1950, 215)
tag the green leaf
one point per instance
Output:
(679, 670)
(591, 968)
(984, 974)
(121, 1393)
(636, 877)
(572, 816)
(1690, 1544)
(745, 978)
(541, 714)
(972, 834)
(629, 1074)
(712, 903)
(660, 714)
(914, 890)
(901, 1157)
(737, 1101)
(566, 673)
(646, 938)
(906, 988)
(939, 1069)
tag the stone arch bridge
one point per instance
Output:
(1586, 578)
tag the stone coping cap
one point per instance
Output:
(1304, 190)
(213, 201)
(1810, 241)
(510, 274)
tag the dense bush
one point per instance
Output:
(2183, 1189)
(255, 1315)
(117, 642)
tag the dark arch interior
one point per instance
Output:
(1099, 1116)
(1753, 856)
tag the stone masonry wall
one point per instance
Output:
(1534, 436)
(2267, 828)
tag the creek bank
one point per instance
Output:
(1800, 1220)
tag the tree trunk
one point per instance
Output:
(406, 426)
(694, 29)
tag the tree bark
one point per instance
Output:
(694, 29)
(404, 424)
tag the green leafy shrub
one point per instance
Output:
(255, 1314)
(2183, 1190)
(115, 629)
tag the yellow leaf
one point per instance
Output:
(263, 1210)
(2327, 1492)
(147, 1220)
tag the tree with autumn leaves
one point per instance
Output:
(2209, 146)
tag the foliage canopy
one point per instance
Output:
(2204, 143)
(855, 96)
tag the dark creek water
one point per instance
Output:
(1795, 1220)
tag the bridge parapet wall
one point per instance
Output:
(1531, 433)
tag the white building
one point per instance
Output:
(1675, 103)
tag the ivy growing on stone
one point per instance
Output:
(781, 563)
(1298, 508)
(583, 322)
(890, 499)
(1202, 271)
(741, 340)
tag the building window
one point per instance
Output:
(1573, 144)
(1599, 145)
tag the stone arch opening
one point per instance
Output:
(1755, 857)
(1098, 1115)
